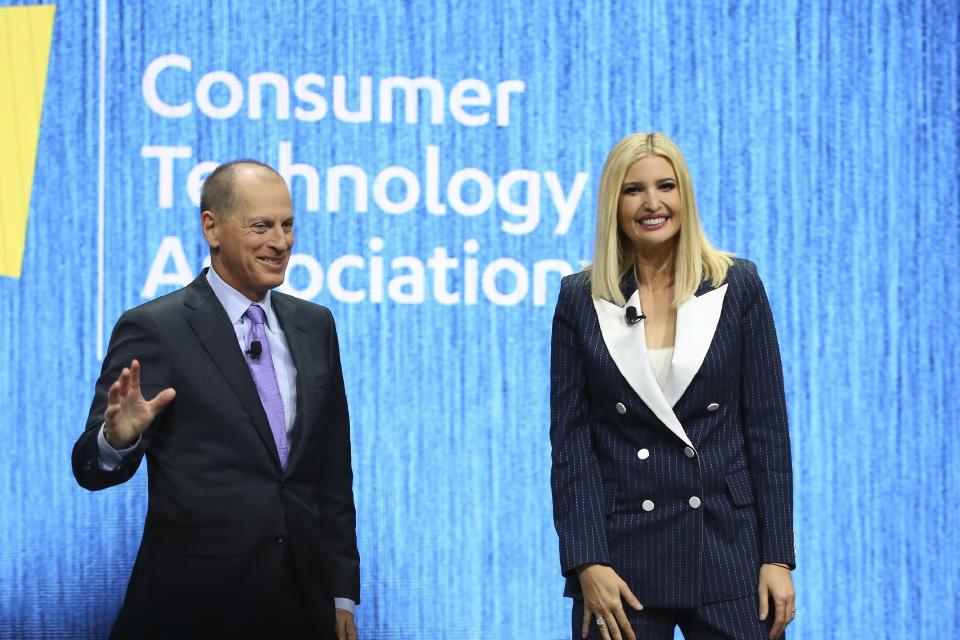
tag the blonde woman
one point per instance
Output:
(671, 478)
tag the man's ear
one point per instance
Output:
(211, 227)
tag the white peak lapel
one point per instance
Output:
(627, 345)
(697, 320)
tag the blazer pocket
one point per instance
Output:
(741, 487)
(207, 542)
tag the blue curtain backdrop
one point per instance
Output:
(823, 140)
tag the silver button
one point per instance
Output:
(647, 505)
(689, 452)
(643, 454)
(713, 406)
(621, 409)
(694, 502)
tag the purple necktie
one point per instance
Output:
(265, 378)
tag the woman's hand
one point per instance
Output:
(603, 596)
(776, 584)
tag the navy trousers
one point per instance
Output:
(730, 620)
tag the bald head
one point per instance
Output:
(220, 193)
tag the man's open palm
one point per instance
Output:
(128, 412)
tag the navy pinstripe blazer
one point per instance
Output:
(684, 490)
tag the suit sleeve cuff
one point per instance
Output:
(345, 604)
(111, 458)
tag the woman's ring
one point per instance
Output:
(601, 622)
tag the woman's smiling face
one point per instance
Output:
(649, 210)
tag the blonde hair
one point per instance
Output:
(694, 261)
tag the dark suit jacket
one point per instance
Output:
(629, 458)
(222, 516)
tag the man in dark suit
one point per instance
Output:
(251, 526)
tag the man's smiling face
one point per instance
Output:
(250, 245)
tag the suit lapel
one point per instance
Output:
(697, 320)
(295, 332)
(210, 323)
(628, 348)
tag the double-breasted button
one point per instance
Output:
(689, 452)
(643, 454)
(694, 502)
(280, 538)
(621, 409)
(647, 505)
(713, 406)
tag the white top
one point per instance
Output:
(660, 360)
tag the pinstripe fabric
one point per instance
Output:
(716, 621)
(673, 555)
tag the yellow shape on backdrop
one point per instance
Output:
(25, 34)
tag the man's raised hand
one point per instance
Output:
(128, 413)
